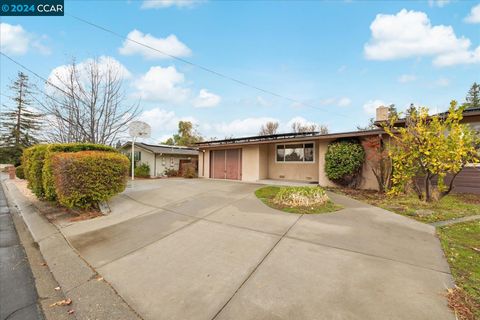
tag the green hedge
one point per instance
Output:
(343, 162)
(52, 149)
(33, 159)
(84, 178)
(19, 172)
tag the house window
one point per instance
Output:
(138, 155)
(298, 152)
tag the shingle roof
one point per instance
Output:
(165, 149)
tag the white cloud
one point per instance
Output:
(438, 3)
(206, 99)
(344, 102)
(162, 84)
(38, 44)
(404, 78)
(301, 120)
(169, 45)
(371, 106)
(59, 75)
(442, 82)
(15, 40)
(410, 34)
(239, 127)
(458, 57)
(474, 16)
(163, 122)
(159, 4)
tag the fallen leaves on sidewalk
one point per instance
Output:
(462, 304)
(71, 311)
(57, 288)
(64, 302)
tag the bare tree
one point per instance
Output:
(85, 103)
(299, 127)
(271, 127)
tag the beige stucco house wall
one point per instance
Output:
(292, 171)
(259, 163)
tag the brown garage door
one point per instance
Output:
(226, 164)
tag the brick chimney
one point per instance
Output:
(381, 113)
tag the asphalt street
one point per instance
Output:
(18, 296)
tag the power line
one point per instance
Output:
(32, 72)
(42, 78)
(209, 70)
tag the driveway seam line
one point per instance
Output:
(256, 267)
(366, 254)
(148, 244)
(195, 219)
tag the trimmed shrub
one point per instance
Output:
(52, 149)
(301, 197)
(189, 171)
(142, 171)
(19, 172)
(171, 172)
(33, 159)
(343, 162)
(84, 178)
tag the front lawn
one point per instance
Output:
(450, 207)
(268, 196)
(461, 244)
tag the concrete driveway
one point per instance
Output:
(200, 249)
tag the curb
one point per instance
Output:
(93, 298)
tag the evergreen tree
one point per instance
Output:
(473, 97)
(20, 125)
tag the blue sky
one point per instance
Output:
(339, 58)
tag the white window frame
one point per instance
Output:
(293, 143)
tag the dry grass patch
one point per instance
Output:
(302, 200)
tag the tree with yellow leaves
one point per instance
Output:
(428, 148)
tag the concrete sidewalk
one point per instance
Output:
(18, 295)
(93, 297)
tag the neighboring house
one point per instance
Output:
(160, 157)
(275, 157)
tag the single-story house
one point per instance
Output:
(269, 157)
(160, 157)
